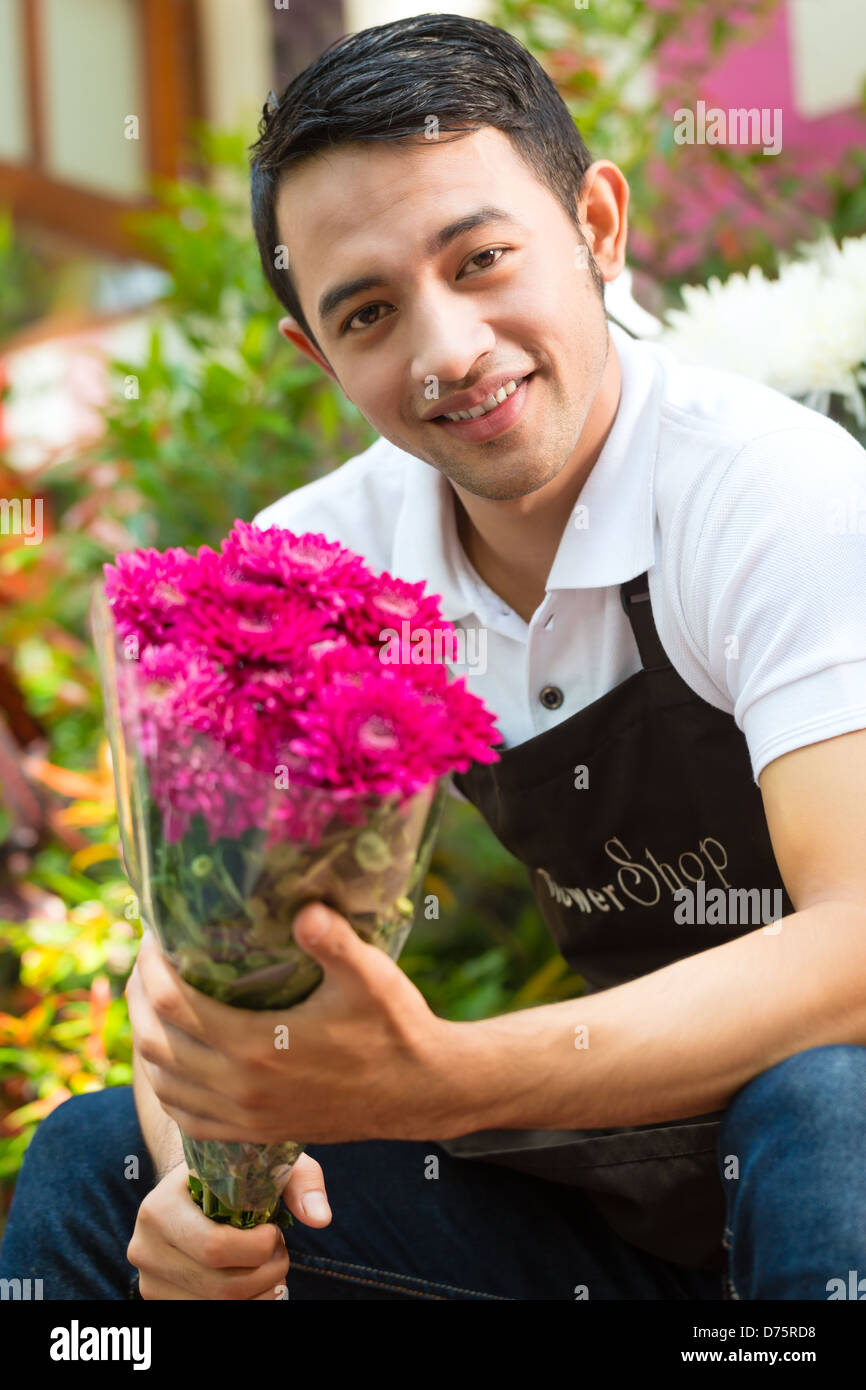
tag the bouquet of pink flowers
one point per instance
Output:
(268, 751)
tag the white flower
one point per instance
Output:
(803, 333)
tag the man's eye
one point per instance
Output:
(497, 251)
(366, 309)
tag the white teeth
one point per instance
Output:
(490, 404)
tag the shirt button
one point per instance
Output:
(551, 697)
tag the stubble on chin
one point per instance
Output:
(530, 468)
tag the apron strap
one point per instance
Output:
(634, 595)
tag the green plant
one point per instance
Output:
(64, 1029)
(25, 280)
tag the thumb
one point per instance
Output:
(328, 938)
(303, 1190)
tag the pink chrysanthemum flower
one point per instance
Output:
(265, 658)
(374, 732)
(388, 605)
(308, 565)
(278, 631)
(147, 589)
(170, 691)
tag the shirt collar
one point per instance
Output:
(616, 542)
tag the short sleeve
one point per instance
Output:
(774, 594)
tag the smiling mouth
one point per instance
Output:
(489, 406)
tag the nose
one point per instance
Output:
(448, 339)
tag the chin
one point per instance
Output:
(499, 490)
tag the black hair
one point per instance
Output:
(384, 83)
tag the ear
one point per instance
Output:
(603, 211)
(294, 334)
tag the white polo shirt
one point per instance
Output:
(747, 510)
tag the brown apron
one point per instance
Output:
(665, 800)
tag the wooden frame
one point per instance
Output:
(171, 81)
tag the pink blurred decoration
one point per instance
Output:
(754, 74)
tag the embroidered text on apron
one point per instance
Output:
(666, 801)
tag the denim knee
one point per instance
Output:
(96, 1135)
(66, 1127)
(74, 1206)
(820, 1084)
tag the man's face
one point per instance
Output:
(505, 299)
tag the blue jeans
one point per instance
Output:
(796, 1208)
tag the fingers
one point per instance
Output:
(159, 1041)
(180, 1254)
(175, 1001)
(185, 1226)
(304, 1192)
(199, 1111)
(169, 1275)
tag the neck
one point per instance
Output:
(512, 544)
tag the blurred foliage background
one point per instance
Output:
(220, 419)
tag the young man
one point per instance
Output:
(676, 652)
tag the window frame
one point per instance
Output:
(171, 82)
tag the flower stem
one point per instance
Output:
(216, 1210)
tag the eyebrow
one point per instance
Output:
(332, 298)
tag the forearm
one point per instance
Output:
(161, 1134)
(678, 1042)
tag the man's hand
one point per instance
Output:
(180, 1254)
(366, 1057)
